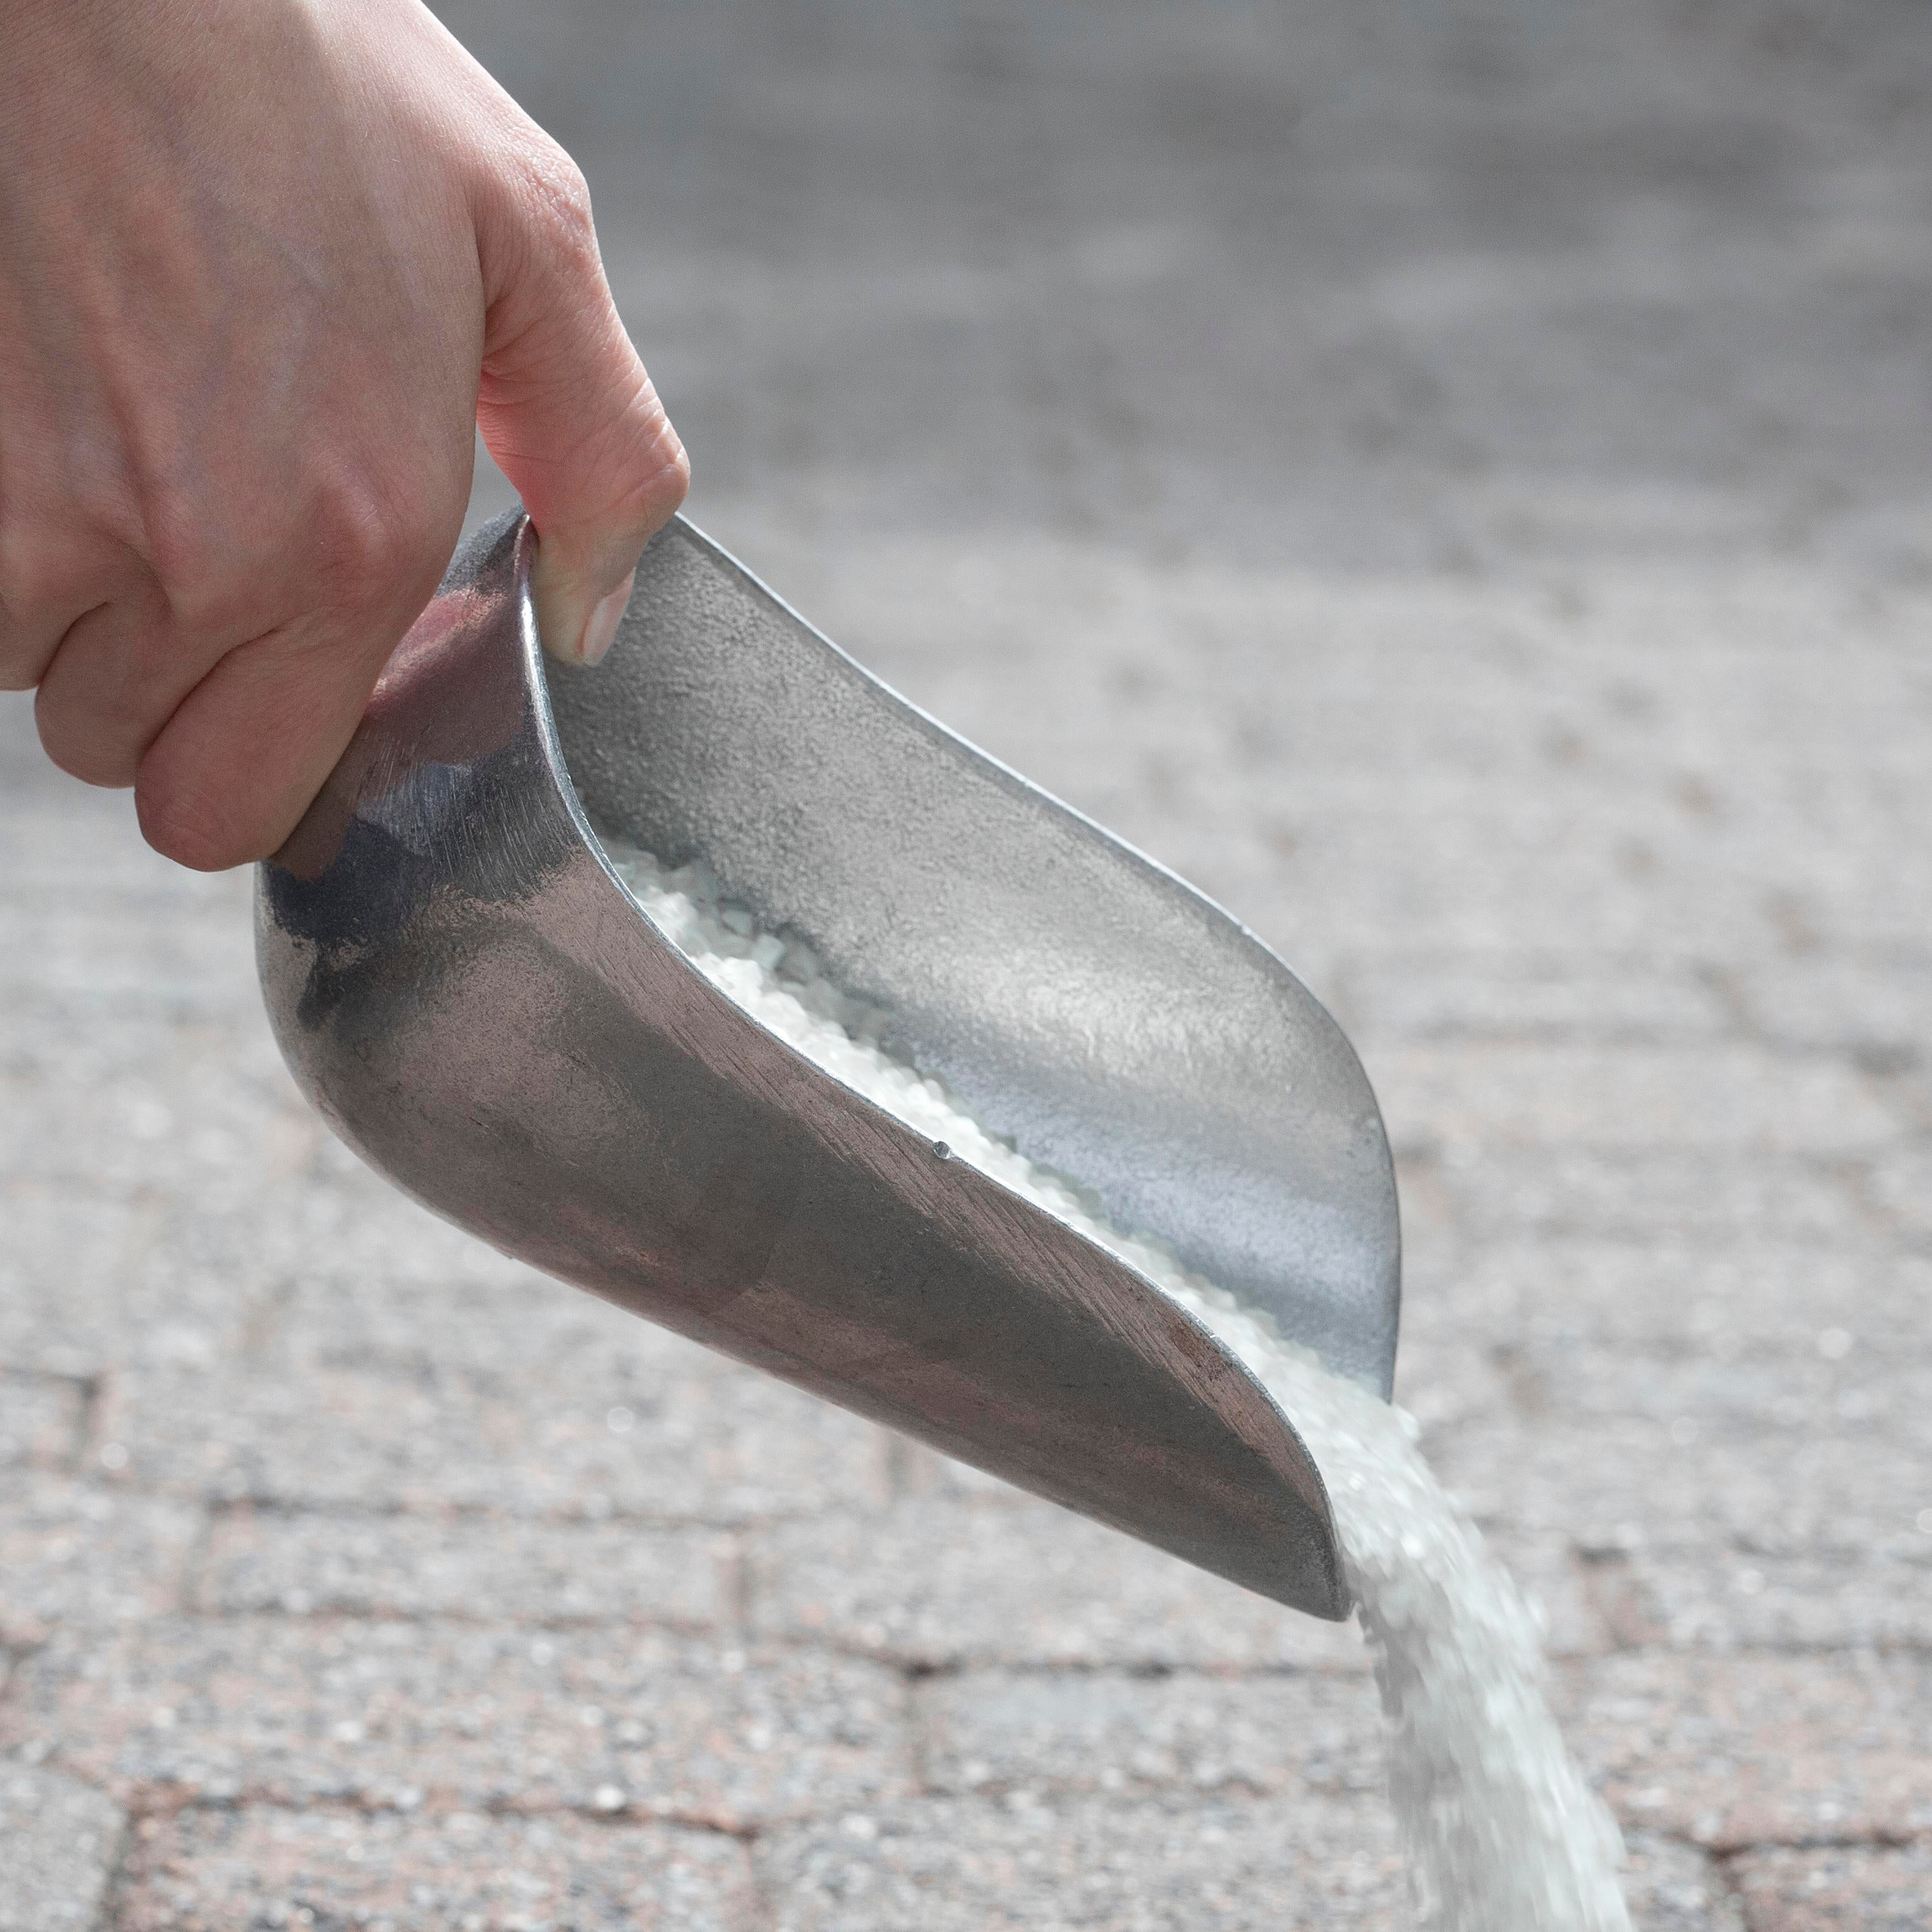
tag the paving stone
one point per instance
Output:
(39, 1421)
(167, 958)
(952, 1865)
(1729, 1752)
(1445, 1376)
(340, 1270)
(1756, 1301)
(1908, 1091)
(723, 1445)
(380, 1286)
(1432, 1222)
(1901, 1186)
(90, 1279)
(1851, 1888)
(306, 1712)
(1744, 1599)
(1043, 1732)
(62, 840)
(1710, 1196)
(62, 1842)
(1730, 1392)
(939, 1583)
(491, 1568)
(62, 1269)
(126, 1104)
(1625, 1483)
(1583, 997)
(1550, 1572)
(88, 1555)
(358, 1239)
(213, 1871)
(347, 1271)
(385, 1286)
(1634, 1098)
(1676, 1888)
(1880, 1012)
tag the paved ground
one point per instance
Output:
(1454, 480)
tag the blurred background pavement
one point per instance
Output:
(1452, 480)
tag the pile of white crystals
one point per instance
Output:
(1500, 1832)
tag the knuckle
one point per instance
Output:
(658, 473)
(203, 594)
(555, 195)
(373, 548)
(179, 550)
(152, 545)
(205, 573)
(670, 482)
(32, 574)
(43, 586)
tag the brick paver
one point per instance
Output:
(931, 1585)
(954, 1866)
(1046, 1732)
(728, 1447)
(1836, 1889)
(39, 1422)
(1740, 1751)
(1712, 1197)
(1455, 486)
(209, 1871)
(1745, 1599)
(488, 1567)
(294, 1711)
(63, 1839)
(80, 1553)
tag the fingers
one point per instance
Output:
(227, 711)
(54, 572)
(565, 405)
(113, 679)
(229, 774)
(233, 768)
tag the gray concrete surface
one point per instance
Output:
(1454, 480)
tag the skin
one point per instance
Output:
(263, 264)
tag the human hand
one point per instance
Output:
(263, 264)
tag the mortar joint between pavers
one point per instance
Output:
(86, 1416)
(1615, 1596)
(740, 1589)
(194, 1563)
(1720, 979)
(14, 1657)
(114, 1886)
(152, 1803)
(226, 1501)
(1727, 1853)
(1522, 1382)
(557, 1623)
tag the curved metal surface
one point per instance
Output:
(467, 994)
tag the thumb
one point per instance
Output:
(566, 409)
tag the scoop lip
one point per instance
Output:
(463, 986)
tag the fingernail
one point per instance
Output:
(600, 629)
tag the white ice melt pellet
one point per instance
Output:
(1501, 1832)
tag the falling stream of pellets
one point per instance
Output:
(1500, 1832)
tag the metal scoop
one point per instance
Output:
(464, 989)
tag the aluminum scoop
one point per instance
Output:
(464, 989)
